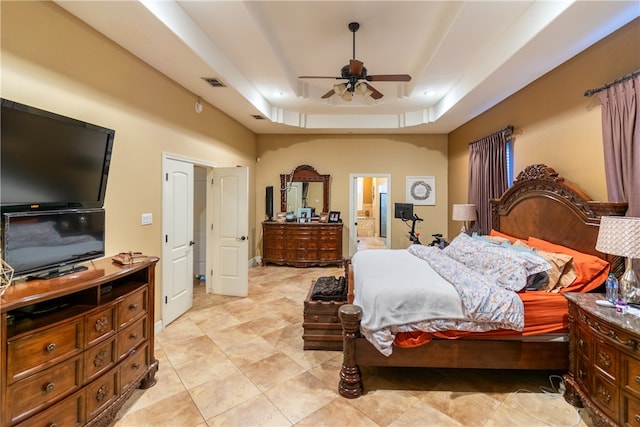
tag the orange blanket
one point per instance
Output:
(543, 313)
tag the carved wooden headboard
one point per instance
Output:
(547, 206)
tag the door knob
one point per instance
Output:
(242, 238)
(191, 243)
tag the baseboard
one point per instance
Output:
(158, 327)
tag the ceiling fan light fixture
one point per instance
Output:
(347, 96)
(340, 88)
(362, 89)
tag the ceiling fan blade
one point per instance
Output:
(389, 78)
(355, 67)
(375, 94)
(328, 94)
(320, 77)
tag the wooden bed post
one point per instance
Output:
(350, 377)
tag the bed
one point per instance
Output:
(540, 206)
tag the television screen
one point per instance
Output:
(403, 210)
(51, 242)
(51, 161)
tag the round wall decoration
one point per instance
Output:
(421, 190)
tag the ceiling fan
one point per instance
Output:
(357, 77)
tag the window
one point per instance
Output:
(509, 151)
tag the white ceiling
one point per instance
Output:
(463, 56)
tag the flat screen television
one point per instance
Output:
(403, 210)
(51, 243)
(49, 161)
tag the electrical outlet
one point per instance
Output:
(146, 219)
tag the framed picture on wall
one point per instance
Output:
(334, 216)
(421, 190)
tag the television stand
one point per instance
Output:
(59, 273)
(74, 348)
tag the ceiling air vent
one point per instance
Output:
(258, 117)
(214, 82)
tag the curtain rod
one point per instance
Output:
(592, 92)
(507, 130)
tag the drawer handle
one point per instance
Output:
(53, 425)
(50, 347)
(605, 359)
(102, 393)
(133, 336)
(133, 307)
(100, 358)
(637, 379)
(581, 343)
(136, 366)
(49, 387)
(637, 417)
(101, 324)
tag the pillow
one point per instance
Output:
(495, 233)
(591, 271)
(561, 274)
(500, 265)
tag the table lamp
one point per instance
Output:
(466, 213)
(620, 235)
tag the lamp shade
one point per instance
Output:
(464, 212)
(619, 235)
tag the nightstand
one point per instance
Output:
(604, 361)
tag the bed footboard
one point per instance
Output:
(350, 385)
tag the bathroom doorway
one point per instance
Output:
(369, 211)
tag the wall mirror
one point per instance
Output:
(304, 187)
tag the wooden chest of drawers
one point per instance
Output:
(301, 245)
(75, 347)
(321, 324)
(604, 361)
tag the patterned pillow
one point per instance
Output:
(502, 265)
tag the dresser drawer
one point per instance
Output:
(583, 342)
(631, 379)
(101, 393)
(631, 411)
(132, 368)
(38, 391)
(606, 395)
(132, 306)
(582, 375)
(68, 413)
(40, 350)
(132, 336)
(100, 325)
(606, 358)
(100, 358)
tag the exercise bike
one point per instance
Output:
(413, 236)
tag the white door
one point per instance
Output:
(177, 225)
(230, 233)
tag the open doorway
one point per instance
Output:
(369, 211)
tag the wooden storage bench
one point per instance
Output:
(322, 327)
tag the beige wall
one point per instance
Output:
(52, 61)
(341, 155)
(554, 122)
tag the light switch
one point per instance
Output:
(147, 219)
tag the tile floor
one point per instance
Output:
(239, 362)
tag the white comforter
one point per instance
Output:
(424, 289)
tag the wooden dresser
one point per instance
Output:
(301, 245)
(604, 361)
(75, 347)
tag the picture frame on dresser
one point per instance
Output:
(334, 216)
(304, 215)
